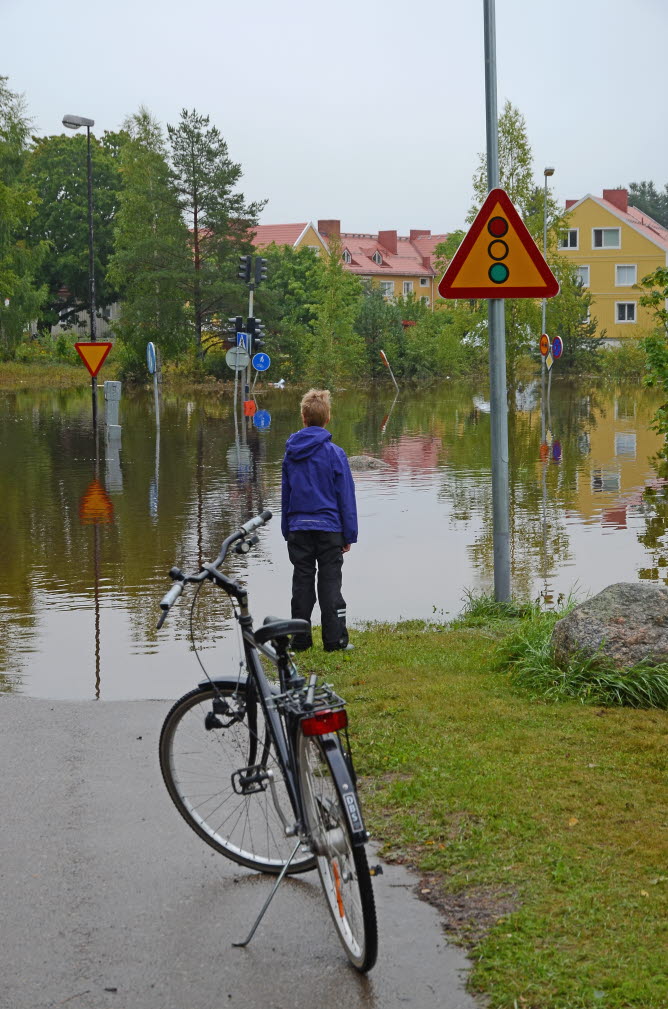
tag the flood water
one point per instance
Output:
(89, 536)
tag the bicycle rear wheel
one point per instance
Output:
(210, 741)
(343, 868)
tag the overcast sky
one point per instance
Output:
(370, 112)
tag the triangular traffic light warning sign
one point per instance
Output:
(498, 258)
(93, 355)
(95, 507)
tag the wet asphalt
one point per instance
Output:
(110, 901)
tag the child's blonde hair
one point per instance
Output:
(316, 407)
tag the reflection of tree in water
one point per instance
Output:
(654, 508)
(540, 488)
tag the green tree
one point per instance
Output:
(379, 324)
(218, 218)
(285, 304)
(57, 167)
(569, 317)
(655, 286)
(338, 350)
(654, 203)
(20, 294)
(150, 248)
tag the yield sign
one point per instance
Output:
(93, 355)
(498, 258)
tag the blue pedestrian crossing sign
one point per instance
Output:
(262, 419)
(242, 340)
(261, 362)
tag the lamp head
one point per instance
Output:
(74, 122)
(548, 171)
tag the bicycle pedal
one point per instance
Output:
(250, 780)
(375, 870)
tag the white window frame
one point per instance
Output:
(424, 281)
(626, 322)
(565, 238)
(346, 257)
(407, 288)
(387, 288)
(626, 266)
(584, 266)
(377, 258)
(314, 248)
(603, 247)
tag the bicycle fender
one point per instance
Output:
(223, 682)
(346, 789)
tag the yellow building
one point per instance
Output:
(400, 266)
(614, 246)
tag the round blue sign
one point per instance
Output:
(262, 419)
(557, 347)
(261, 362)
(150, 358)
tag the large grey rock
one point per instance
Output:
(627, 622)
(367, 462)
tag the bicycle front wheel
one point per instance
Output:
(220, 770)
(343, 868)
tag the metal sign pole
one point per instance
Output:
(497, 343)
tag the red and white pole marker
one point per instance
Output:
(383, 357)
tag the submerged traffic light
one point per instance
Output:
(260, 270)
(245, 268)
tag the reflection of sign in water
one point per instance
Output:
(150, 358)
(261, 362)
(239, 458)
(153, 498)
(95, 507)
(556, 450)
(93, 355)
(262, 419)
(237, 358)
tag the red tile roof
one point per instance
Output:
(281, 234)
(414, 256)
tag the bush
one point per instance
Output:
(629, 361)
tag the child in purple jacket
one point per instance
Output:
(319, 521)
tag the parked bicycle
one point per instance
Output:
(262, 769)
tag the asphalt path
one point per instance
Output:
(109, 901)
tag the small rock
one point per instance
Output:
(367, 462)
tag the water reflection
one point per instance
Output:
(579, 467)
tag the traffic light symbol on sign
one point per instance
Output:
(498, 258)
(498, 272)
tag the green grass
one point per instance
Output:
(542, 827)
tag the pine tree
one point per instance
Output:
(218, 219)
(150, 247)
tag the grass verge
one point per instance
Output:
(539, 829)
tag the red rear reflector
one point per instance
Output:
(324, 722)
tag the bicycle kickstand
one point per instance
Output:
(270, 897)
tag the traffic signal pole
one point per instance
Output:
(497, 343)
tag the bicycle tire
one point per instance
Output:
(197, 765)
(342, 866)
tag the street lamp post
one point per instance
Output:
(74, 123)
(547, 172)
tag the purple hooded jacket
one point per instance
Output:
(318, 490)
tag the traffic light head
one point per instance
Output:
(244, 268)
(260, 270)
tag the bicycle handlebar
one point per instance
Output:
(211, 570)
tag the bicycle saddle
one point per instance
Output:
(274, 627)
